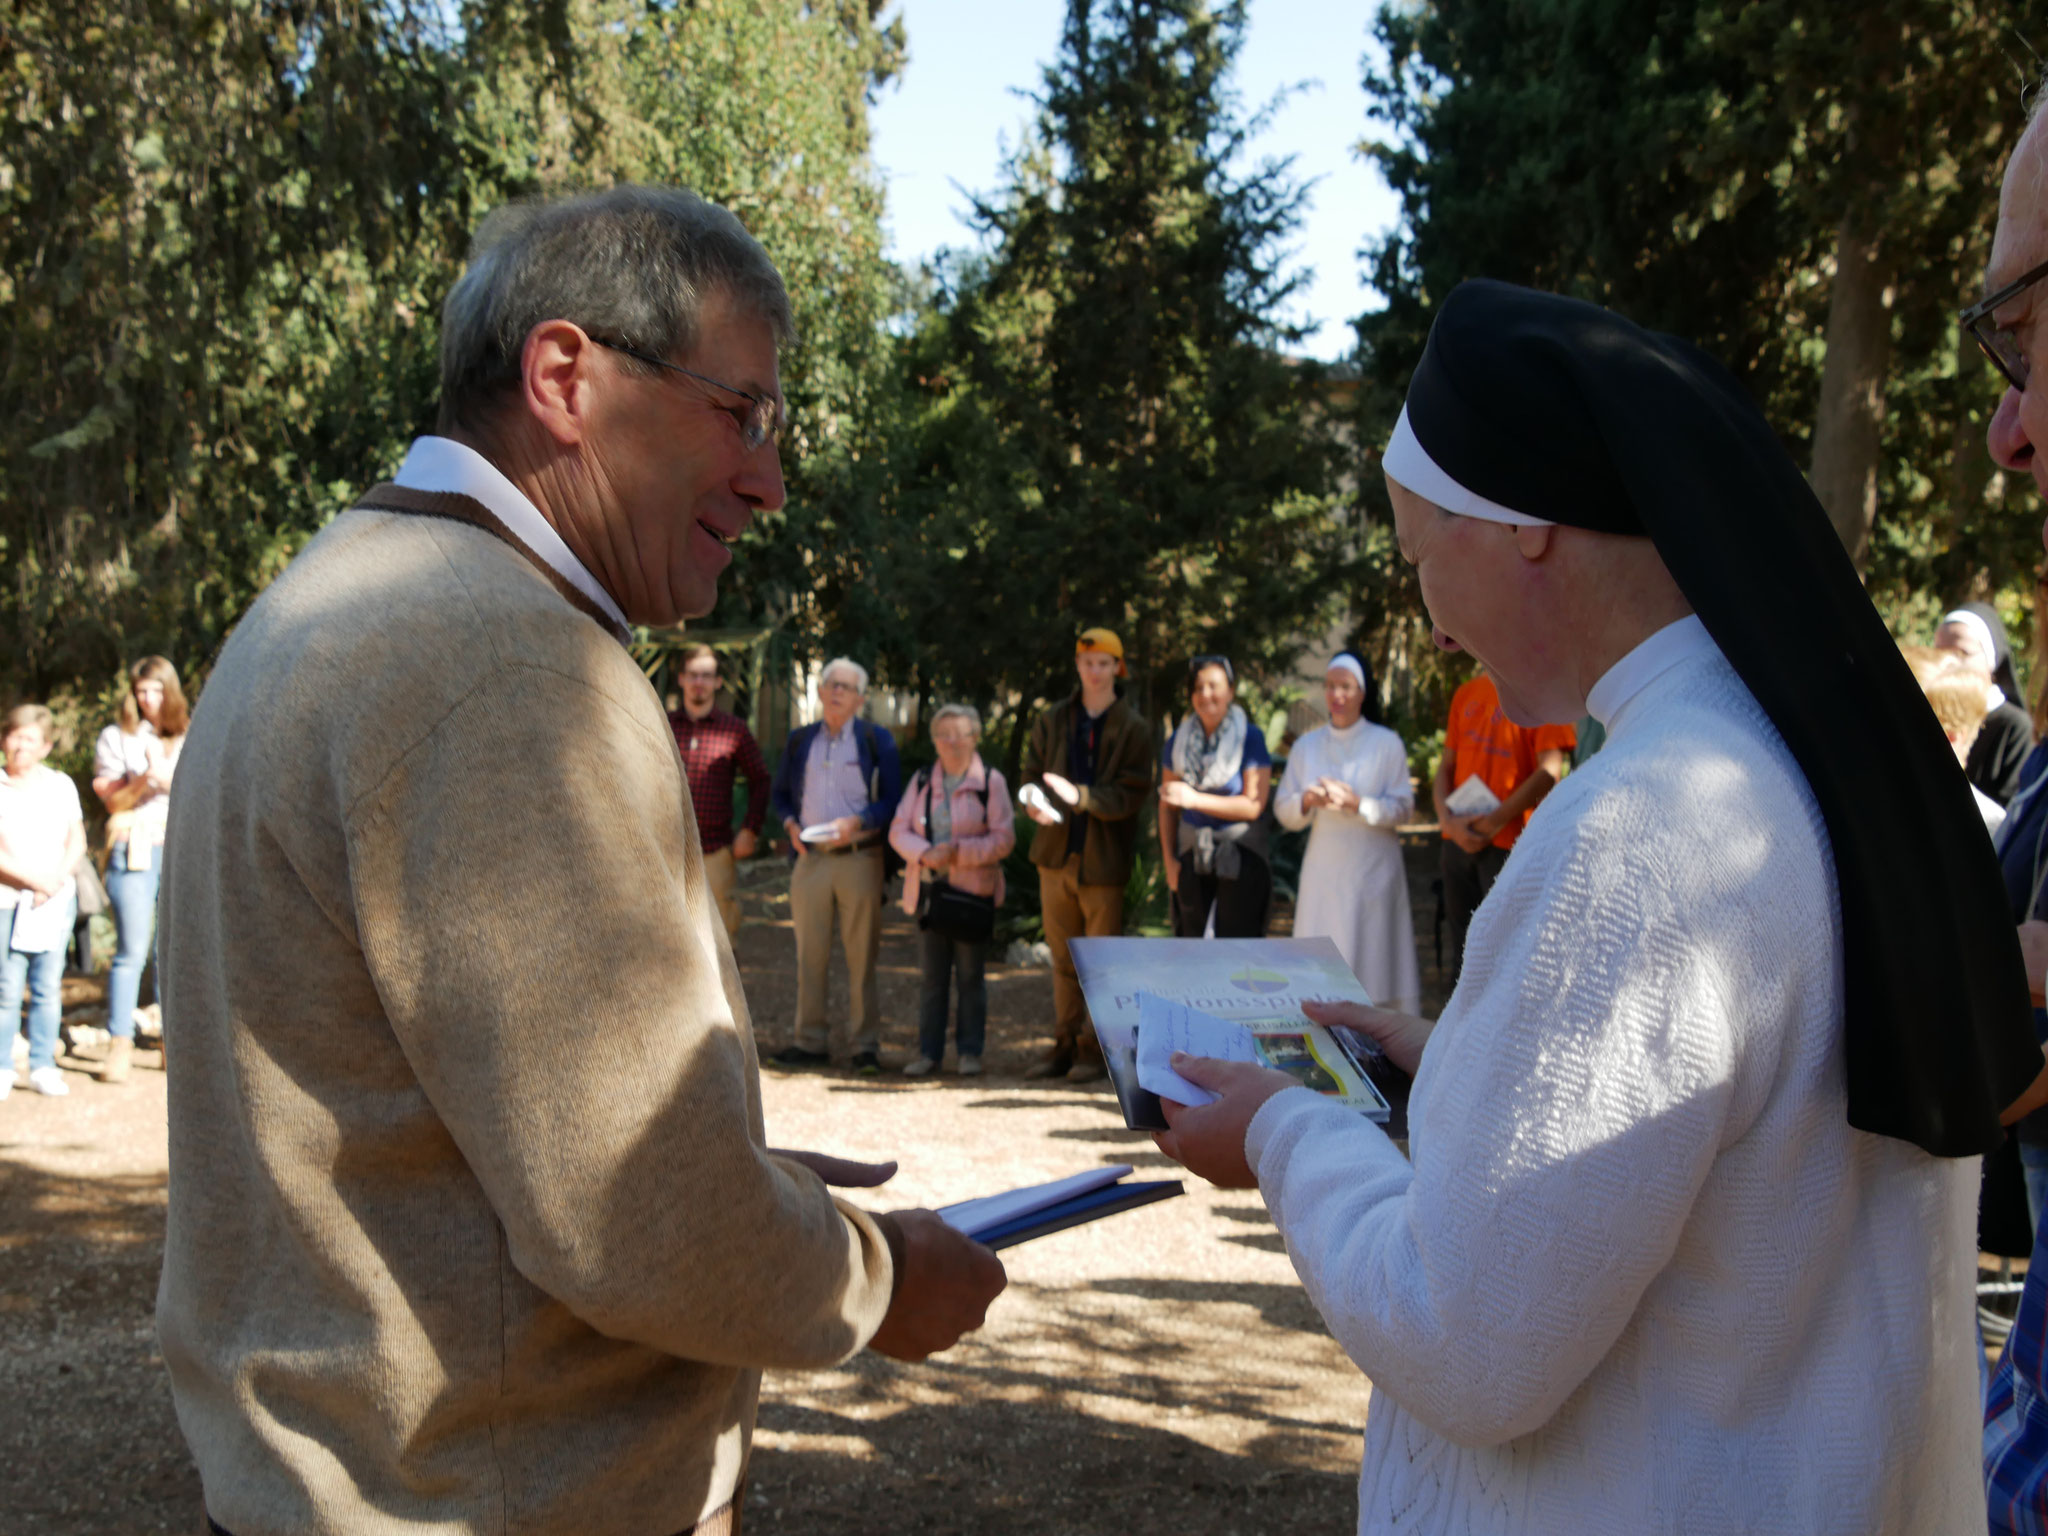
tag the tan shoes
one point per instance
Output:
(115, 1068)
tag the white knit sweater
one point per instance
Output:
(1642, 1276)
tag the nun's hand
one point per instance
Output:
(1208, 1139)
(1341, 796)
(1400, 1035)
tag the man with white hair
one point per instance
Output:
(1687, 1244)
(472, 1223)
(838, 782)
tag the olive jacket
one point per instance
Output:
(1122, 787)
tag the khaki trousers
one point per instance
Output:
(1074, 911)
(851, 885)
(723, 871)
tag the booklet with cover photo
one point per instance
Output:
(1239, 999)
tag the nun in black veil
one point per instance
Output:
(1975, 632)
(1687, 1239)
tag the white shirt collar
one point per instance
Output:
(442, 464)
(1642, 666)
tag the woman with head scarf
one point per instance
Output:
(1687, 1242)
(1216, 774)
(1348, 783)
(1976, 635)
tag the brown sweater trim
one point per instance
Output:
(722, 1521)
(387, 497)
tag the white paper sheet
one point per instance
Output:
(38, 929)
(1165, 1026)
(1471, 798)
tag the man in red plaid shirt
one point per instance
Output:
(716, 745)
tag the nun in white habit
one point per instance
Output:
(1347, 782)
(1687, 1244)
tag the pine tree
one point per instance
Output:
(1111, 432)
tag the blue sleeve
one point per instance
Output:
(1255, 753)
(882, 810)
(782, 794)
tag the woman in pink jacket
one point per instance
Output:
(953, 826)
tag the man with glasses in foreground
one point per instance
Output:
(2009, 324)
(472, 1225)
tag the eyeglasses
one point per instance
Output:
(1196, 663)
(760, 423)
(1999, 343)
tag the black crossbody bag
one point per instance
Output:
(942, 907)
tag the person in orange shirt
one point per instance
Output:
(1519, 765)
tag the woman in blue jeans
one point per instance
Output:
(132, 769)
(42, 838)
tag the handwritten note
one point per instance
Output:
(1165, 1026)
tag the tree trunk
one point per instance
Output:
(1848, 426)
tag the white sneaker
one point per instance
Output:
(970, 1066)
(924, 1066)
(49, 1081)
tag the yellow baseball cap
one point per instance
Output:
(1105, 641)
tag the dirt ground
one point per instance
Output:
(1160, 1371)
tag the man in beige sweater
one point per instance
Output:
(473, 1226)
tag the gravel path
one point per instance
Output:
(1162, 1370)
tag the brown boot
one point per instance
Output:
(1055, 1065)
(115, 1068)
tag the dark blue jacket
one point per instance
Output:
(878, 761)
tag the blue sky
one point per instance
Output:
(955, 108)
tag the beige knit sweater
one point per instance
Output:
(471, 1226)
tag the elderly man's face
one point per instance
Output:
(680, 482)
(839, 698)
(2019, 429)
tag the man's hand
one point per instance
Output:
(944, 1284)
(1043, 815)
(1208, 1139)
(796, 839)
(744, 843)
(840, 1172)
(1314, 797)
(1401, 1035)
(1063, 787)
(1460, 830)
(2034, 951)
(845, 829)
(938, 855)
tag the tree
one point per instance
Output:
(1106, 428)
(1807, 197)
(226, 227)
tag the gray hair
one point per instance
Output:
(630, 264)
(845, 664)
(965, 712)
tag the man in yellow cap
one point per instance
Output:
(1087, 774)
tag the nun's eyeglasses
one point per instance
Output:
(758, 423)
(1999, 343)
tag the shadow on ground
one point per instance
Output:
(86, 1429)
